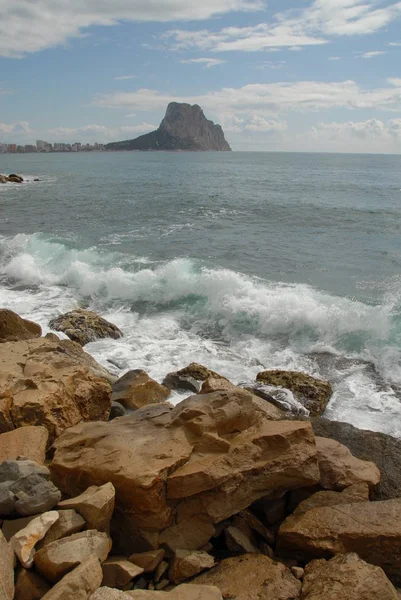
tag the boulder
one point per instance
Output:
(186, 564)
(84, 326)
(239, 541)
(340, 469)
(12, 526)
(15, 178)
(30, 442)
(69, 522)
(23, 543)
(117, 410)
(384, 450)
(355, 493)
(252, 577)
(14, 328)
(181, 592)
(118, 572)
(56, 559)
(6, 570)
(30, 586)
(190, 377)
(25, 488)
(95, 505)
(49, 383)
(136, 389)
(79, 584)
(312, 393)
(106, 593)
(371, 529)
(346, 577)
(179, 471)
(149, 561)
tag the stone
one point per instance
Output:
(6, 570)
(69, 522)
(252, 577)
(56, 559)
(346, 577)
(175, 381)
(312, 393)
(25, 488)
(13, 328)
(136, 389)
(339, 469)
(52, 384)
(160, 570)
(79, 584)
(30, 442)
(181, 592)
(149, 561)
(355, 493)
(274, 510)
(15, 178)
(118, 572)
(117, 410)
(23, 543)
(84, 326)
(371, 529)
(30, 586)
(186, 564)
(179, 471)
(95, 505)
(106, 593)
(238, 542)
(13, 526)
(298, 572)
(254, 523)
(384, 450)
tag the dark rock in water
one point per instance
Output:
(175, 381)
(36, 179)
(15, 178)
(184, 127)
(84, 326)
(117, 410)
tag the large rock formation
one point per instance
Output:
(184, 127)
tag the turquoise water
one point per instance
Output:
(240, 261)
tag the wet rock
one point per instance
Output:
(14, 328)
(30, 586)
(95, 505)
(30, 442)
(283, 399)
(175, 381)
(6, 570)
(312, 393)
(84, 326)
(193, 374)
(79, 584)
(186, 564)
(149, 561)
(15, 178)
(355, 493)
(136, 389)
(25, 488)
(23, 543)
(117, 410)
(118, 572)
(346, 577)
(69, 522)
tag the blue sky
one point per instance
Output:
(303, 75)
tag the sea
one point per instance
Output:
(239, 261)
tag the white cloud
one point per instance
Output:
(373, 54)
(207, 62)
(395, 44)
(260, 124)
(334, 58)
(32, 25)
(359, 136)
(17, 130)
(125, 77)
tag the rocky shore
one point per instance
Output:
(110, 492)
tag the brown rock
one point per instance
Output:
(6, 570)
(136, 389)
(252, 577)
(43, 382)
(181, 592)
(187, 564)
(187, 468)
(298, 572)
(30, 586)
(346, 577)
(105, 593)
(30, 442)
(13, 526)
(95, 505)
(254, 523)
(149, 561)
(371, 529)
(312, 393)
(56, 559)
(84, 326)
(69, 522)
(23, 543)
(79, 584)
(160, 570)
(355, 493)
(197, 372)
(238, 542)
(13, 328)
(339, 469)
(118, 572)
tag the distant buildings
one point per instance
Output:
(42, 146)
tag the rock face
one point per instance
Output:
(346, 577)
(49, 383)
(30, 442)
(84, 326)
(13, 328)
(6, 570)
(184, 127)
(178, 471)
(136, 389)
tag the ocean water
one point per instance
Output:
(239, 261)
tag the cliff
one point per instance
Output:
(184, 127)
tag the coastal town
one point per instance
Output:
(42, 146)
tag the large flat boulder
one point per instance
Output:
(30, 442)
(84, 326)
(13, 328)
(50, 383)
(179, 471)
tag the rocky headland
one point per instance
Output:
(109, 492)
(184, 127)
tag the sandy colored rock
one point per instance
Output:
(238, 542)
(30, 442)
(30, 586)
(95, 505)
(23, 543)
(371, 529)
(355, 493)
(253, 522)
(178, 471)
(56, 559)
(6, 569)
(12, 526)
(346, 577)
(13, 328)
(298, 572)
(181, 592)
(69, 522)
(252, 577)
(84, 326)
(214, 384)
(339, 469)
(43, 382)
(312, 393)
(118, 571)
(186, 564)
(136, 389)
(149, 561)
(79, 584)
(106, 593)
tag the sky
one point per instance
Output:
(278, 75)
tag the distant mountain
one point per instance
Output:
(184, 127)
